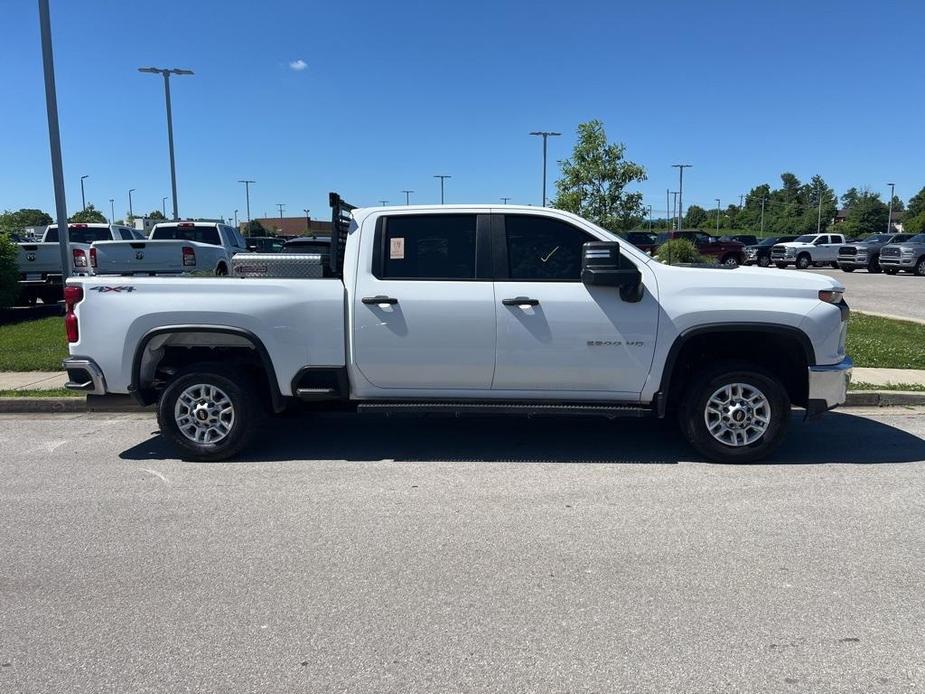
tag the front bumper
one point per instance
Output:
(84, 375)
(828, 386)
(907, 262)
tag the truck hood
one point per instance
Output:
(753, 280)
(794, 244)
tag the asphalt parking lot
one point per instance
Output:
(897, 295)
(432, 554)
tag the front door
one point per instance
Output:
(424, 315)
(555, 333)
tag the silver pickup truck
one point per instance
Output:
(39, 263)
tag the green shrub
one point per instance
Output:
(9, 274)
(677, 251)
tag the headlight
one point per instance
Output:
(907, 252)
(831, 296)
(790, 251)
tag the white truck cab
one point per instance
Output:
(808, 249)
(469, 308)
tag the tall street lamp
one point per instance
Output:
(173, 169)
(235, 219)
(680, 168)
(83, 199)
(889, 219)
(650, 217)
(763, 201)
(247, 195)
(407, 196)
(819, 211)
(717, 216)
(545, 134)
(674, 209)
(442, 178)
(383, 203)
(504, 200)
(164, 206)
(308, 221)
(130, 213)
(112, 210)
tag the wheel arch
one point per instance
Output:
(784, 350)
(144, 364)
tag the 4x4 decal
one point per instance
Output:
(106, 290)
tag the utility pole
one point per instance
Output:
(763, 200)
(407, 196)
(280, 205)
(680, 168)
(676, 220)
(173, 168)
(383, 203)
(717, 216)
(83, 199)
(650, 217)
(504, 200)
(130, 212)
(442, 178)
(545, 134)
(889, 219)
(308, 221)
(668, 214)
(247, 196)
(54, 137)
(112, 210)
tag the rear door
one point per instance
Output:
(423, 312)
(555, 333)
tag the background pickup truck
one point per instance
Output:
(907, 255)
(729, 253)
(173, 248)
(808, 249)
(39, 264)
(866, 254)
(468, 309)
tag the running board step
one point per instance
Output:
(522, 408)
(314, 394)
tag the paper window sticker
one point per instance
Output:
(397, 248)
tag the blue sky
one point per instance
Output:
(392, 93)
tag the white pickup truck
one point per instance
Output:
(40, 263)
(497, 309)
(808, 249)
(173, 248)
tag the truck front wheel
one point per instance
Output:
(735, 412)
(803, 261)
(209, 413)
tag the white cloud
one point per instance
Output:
(298, 65)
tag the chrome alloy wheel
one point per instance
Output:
(204, 413)
(738, 414)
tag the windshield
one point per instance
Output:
(805, 238)
(878, 238)
(80, 234)
(918, 238)
(770, 242)
(181, 233)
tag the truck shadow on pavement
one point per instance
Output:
(836, 438)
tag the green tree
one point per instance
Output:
(696, 217)
(156, 214)
(867, 214)
(14, 222)
(594, 180)
(850, 197)
(9, 272)
(88, 216)
(255, 228)
(914, 225)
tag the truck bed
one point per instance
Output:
(161, 257)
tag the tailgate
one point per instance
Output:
(121, 257)
(35, 260)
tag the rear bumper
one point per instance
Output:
(828, 386)
(84, 375)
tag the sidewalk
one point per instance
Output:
(48, 380)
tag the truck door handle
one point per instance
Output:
(379, 300)
(520, 301)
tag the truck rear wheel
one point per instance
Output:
(735, 412)
(920, 267)
(209, 412)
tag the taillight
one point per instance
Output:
(80, 258)
(72, 296)
(189, 257)
(92, 257)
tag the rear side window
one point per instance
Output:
(433, 247)
(80, 235)
(539, 248)
(179, 233)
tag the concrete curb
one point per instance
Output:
(124, 403)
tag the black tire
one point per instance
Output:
(873, 265)
(920, 267)
(834, 265)
(781, 266)
(845, 268)
(730, 261)
(247, 412)
(693, 412)
(763, 261)
(803, 261)
(890, 270)
(221, 270)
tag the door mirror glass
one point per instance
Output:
(602, 265)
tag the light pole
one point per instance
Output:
(383, 203)
(442, 178)
(112, 210)
(819, 212)
(504, 200)
(668, 214)
(308, 221)
(545, 134)
(54, 135)
(680, 168)
(650, 217)
(247, 196)
(83, 199)
(889, 219)
(173, 169)
(130, 213)
(280, 205)
(674, 209)
(763, 200)
(717, 216)
(235, 219)
(164, 206)
(407, 196)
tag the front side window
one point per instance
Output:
(539, 248)
(440, 246)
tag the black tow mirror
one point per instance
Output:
(603, 266)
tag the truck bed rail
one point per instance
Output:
(340, 225)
